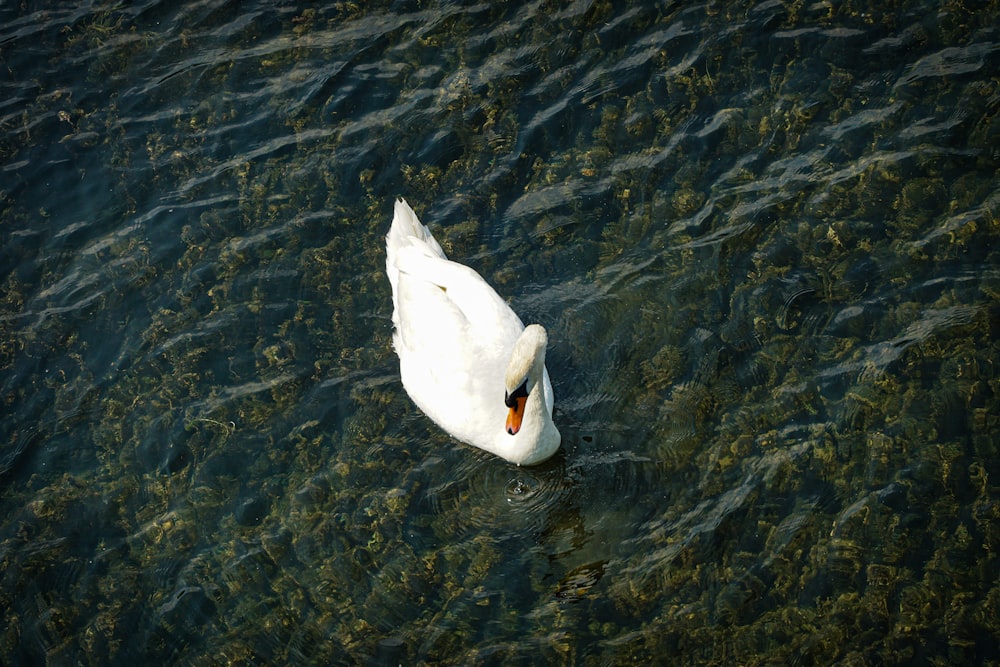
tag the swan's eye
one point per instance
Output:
(520, 392)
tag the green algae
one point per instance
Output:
(827, 493)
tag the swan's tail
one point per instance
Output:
(406, 230)
(406, 235)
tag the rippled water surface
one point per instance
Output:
(763, 237)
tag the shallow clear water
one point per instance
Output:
(763, 237)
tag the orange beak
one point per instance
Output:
(516, 414)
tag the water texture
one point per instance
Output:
(763, 237)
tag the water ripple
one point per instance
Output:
(762, 236)
(949, 62)
(482, 494)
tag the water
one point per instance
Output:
(763, 238)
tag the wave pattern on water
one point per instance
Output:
(763, 237)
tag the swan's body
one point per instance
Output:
(465, 358)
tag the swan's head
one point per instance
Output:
(524, 373)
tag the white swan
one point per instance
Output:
(465, 358)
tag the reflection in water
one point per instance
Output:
(762, 237)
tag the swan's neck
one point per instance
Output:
(537, 439)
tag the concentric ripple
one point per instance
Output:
(483, 491)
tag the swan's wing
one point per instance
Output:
(412, 250)
(453, 336)
(455, 294)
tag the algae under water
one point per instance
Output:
(763, 237)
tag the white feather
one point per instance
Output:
(455, 338)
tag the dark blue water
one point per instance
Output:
(763, 238)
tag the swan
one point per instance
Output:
(465, 358)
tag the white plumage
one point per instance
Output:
(464, 355)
